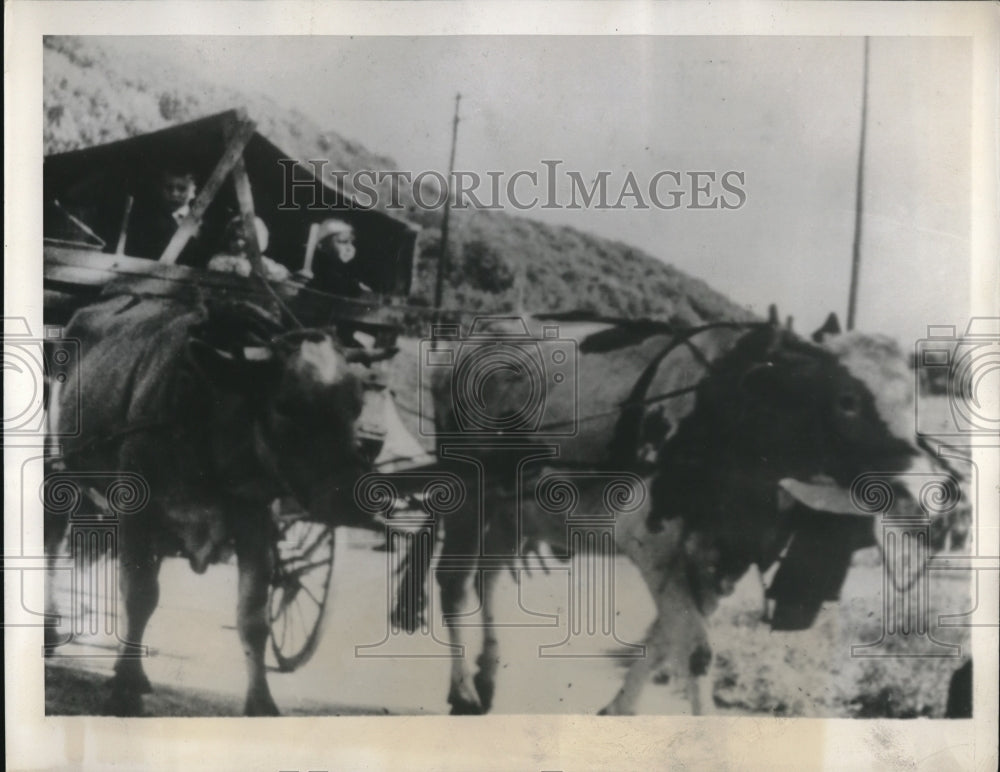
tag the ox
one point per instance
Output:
(757, 429)
(220, 413)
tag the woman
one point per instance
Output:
(334, 266)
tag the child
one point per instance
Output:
(233, 257)
(157, 213)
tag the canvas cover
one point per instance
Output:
(93, 185)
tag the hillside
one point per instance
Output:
(499, 262)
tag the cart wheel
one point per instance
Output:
(300, 588)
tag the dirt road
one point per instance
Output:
(196, 665)
(194, 646)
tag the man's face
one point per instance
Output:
(176, 190)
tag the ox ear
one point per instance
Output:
(830, 327)
(369, 356)
(772, 315)
(242, 370)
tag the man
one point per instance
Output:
(157, 213)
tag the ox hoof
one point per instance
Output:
(53, 640)
(466, 708)
(131, 679)
(260, 706)
(51, 649)
(485, 688)
(611, 710)
(464, 702)
(122, 703)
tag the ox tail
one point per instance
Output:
(413, 573)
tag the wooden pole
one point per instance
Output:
(306, 271)
(123, 232)
(244, 197)
(443, 260)
(241, 134)
(852, 299)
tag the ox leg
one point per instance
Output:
(462, 693)
(677, 638)
(410, 608)
(639, 673)
(54, 531)
(489, 658)
(663, 646)
(461, 547)
(700, 684)
(139, 568)
(253, 553)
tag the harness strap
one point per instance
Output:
(637, 398)
(629, 424)
(282, 305)
(698, 354)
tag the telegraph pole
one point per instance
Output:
(443, 259)
(852, 299)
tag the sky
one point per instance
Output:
(784, 111)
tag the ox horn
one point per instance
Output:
(777, 334)
(830, 327)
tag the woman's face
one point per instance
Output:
(236, 243)
(341, 244)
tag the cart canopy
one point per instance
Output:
(88, 194)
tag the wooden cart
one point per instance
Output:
(89, 210)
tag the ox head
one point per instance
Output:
(930, 484)
(305, 395)
(777, 407)
(781, 416)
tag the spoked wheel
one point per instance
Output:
(300, 589)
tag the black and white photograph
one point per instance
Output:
(362, 373)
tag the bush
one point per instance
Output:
(91, 96)
(484, 268)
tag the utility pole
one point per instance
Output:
(443, 259)
(852, 299)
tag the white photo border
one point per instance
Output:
(492, 742)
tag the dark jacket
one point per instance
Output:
(332, 275)
(150, 229)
